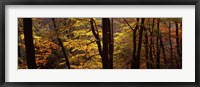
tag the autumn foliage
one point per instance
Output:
(99, 43)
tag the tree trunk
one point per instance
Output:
(61, 45)
(30, 51)
(151, 45)
(98, 42)
(170, 43)
(163, 50)
(177, 40)
(106, 41)
(180, 47)
(19, 53)
(134, 44)
(137, 59)
(111, 44)
(157, 45)
(64, 53)
(146, 49)
(177, 43)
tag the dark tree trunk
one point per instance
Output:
(170, 43)
(137, 59)
(106, 41)
(177, 44)
(19, 53)
(111, 44)
(146, 49)
(163, 50)
(151, 45)
(157, 45)
(30, 51)
(108, 47)
(180, 49)
(148, 30)
(134, 41)
(61, 45)
(64, 53)
(134, 44)
(177, 41)
(98, 42)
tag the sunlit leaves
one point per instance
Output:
(81, 46)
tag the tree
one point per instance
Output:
(177, 42)
(106, 43)
(146, 48)
(101, 43)
(61, 45)
(134, 40)
(98, 41)
(30, 51)
(170, 43)
(111, 44)
(177, 39)
(157, 45)
(19, 54)
(134, 44)
(151, 43)
(137, 59)
(163, 50)
(107, 52)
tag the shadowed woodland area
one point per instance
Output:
(99, 43)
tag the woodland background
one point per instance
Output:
(99, 43)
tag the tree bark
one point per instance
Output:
(137, 59)
(61, 45)
(106, 41)
(19, 53)
(163, 50)
(64, 53)
(134, 41)
(30, 51)
(98, 42)
(146, 49)
(111, 44)
(170, 43)
(157, 45)
(177, 41)
(151, 44)
(134, 44)
(177, 44)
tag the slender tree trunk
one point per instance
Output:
(134, 58)
(146, 48)
(151, 44)
(137, 59)
(163, 50)
(19, 52)
(170, 43)
(180, 47)
(177, 41)
(111, 45)
(98, 42)
(30, 51)
(157, 45)
(61, 45)
(64, 53)
(134, 44)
